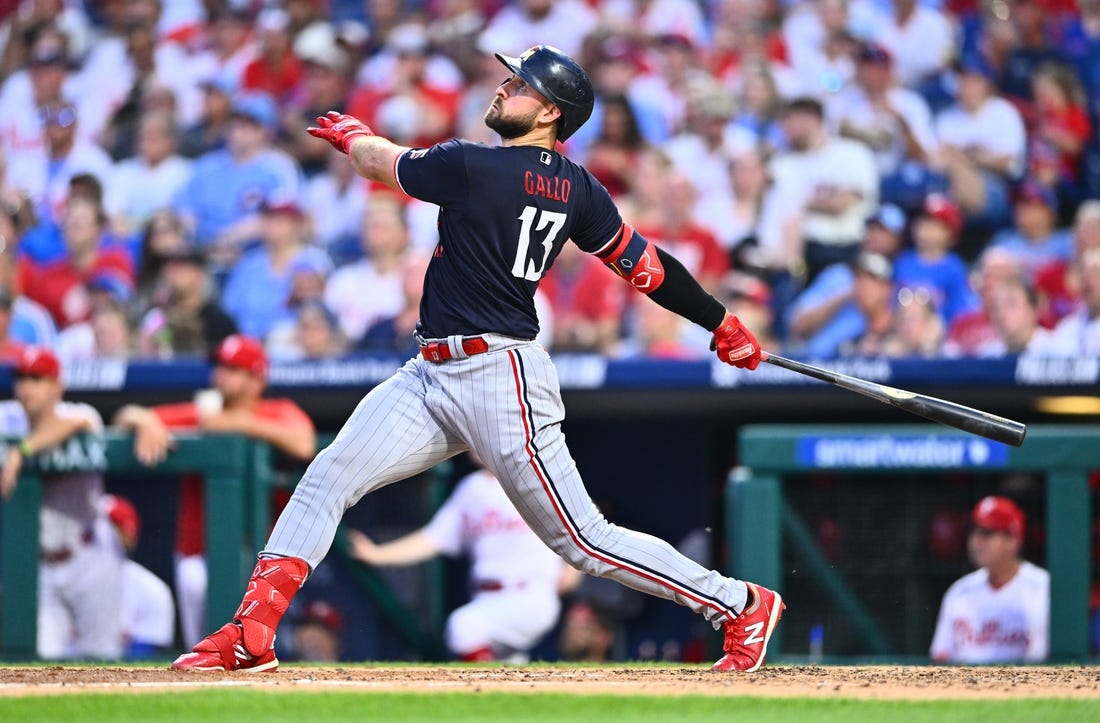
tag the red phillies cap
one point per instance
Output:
(322, 613)
(999, 514)
(124, 516)
(944, 210)
(242, 352)
(38, 361)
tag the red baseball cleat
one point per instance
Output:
(224, 651)
(748, 634)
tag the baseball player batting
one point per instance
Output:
(480, 382)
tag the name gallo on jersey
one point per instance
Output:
(556, 189)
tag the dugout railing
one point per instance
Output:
(759, 518)
(238, 475)
(230, 466)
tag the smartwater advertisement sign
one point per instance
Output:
(891, 450)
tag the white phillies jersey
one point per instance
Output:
(72, 482)
(980, 624)
(148, 610)
(480, 520)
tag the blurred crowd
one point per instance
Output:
(909, 178)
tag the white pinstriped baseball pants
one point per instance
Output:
(505, 405)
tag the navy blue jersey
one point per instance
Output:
(504, 214)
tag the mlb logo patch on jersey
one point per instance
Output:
(545, 158)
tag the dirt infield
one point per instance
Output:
(878, 682)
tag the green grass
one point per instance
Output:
(270, 706)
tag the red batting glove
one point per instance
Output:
(735, 344)
(339, 129)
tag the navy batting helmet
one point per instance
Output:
(560, 80)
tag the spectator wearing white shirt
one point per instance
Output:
(733, 219)
(22, 24)
(982, 143)
(819, 36)
(526, 23)
(123, 68)
(47, 79)
(652, 18)
(894, 122)
(920, 38)
(703, 149)
(149, 181)
(1078, 335)
(335, 201)
(65, 155)
(371, 289)
(660, 96)
(823, 190)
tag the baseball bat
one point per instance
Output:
(942, 411)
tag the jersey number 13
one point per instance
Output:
(524, 267)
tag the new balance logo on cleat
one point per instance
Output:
(755, 629)
(748, 634)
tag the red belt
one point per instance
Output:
(440, 351)
(56, 557)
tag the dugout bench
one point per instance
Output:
(757, 516)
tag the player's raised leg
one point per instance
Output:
(390, 436)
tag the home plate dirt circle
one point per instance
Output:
(872, 682)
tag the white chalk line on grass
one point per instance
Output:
(236, 684)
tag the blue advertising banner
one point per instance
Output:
(900, 451)
(590, 371)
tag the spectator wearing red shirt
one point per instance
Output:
(408, 93)
(676, 232)
(613, 155)
(276, 70)
(60, 286)
(239, 380)
(972, 331)
(1059, 128)
(586, 300)
(1059, 282)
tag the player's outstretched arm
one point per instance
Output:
(414, 547)
(664, 279)
(372, 156)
